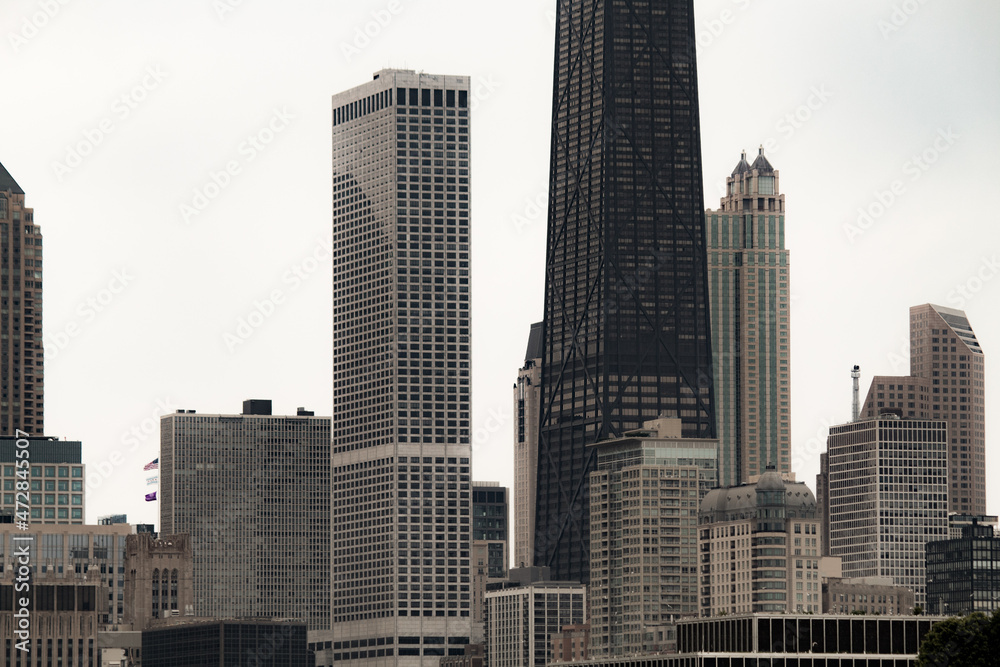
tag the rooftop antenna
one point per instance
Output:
(855, 403)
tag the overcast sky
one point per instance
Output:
(117, 114)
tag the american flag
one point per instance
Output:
(152, 465)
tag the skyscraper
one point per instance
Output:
(945, 352)
(23, 367)
(748, 285)
(527, 401)
(626, 329)
(253, 493)
(946, 381)
(887, 496)
(401, 512)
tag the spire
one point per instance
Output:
(743, 165)
(761, 164)
(7, 182)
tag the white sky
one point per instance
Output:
(200, 77)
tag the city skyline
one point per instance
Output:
(881, 137)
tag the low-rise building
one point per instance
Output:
(963, 575)
(226, 642)
(572, 643)
(869, 595)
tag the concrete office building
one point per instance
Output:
(759, 546)
(887, 482)
(253, 493)
(871, 595)
(22, 372)
(74, 553)
(963, 574)
(626, 333)
(946, 382)
(490, 509)
(527, 403)
(644, 499)
(64, 620)
(401, 516)
(57, 479)
(748, 278)
(524, 615)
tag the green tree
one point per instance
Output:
(962, 640)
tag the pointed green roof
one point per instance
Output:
(7, 182)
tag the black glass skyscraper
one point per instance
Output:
(626, 332)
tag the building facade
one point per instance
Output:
(22, 376)
(887, 482)
(759, 546)
(644, 499)
(869, 595)
(945, 351)
(748, 278)
(225, 480)
(159, 579)
(572, 643)
(626, 333)
(57, 479)
(74, 553)
(963, 574)
(401, 515)
(946, 382)
(226, 642)
(521, 620)
(63, 623)
(490, 509)
(527, 403)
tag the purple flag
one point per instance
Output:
(151, 496)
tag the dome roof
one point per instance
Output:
(742, 499)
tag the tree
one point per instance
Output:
(962, 640)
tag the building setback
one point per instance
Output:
(626, 332)
(887, 496)
(22, 376)
(748, 285)
(253, 493)
(644, 498)
(401, 514)
(527, 403)
(759, 546)
(490, 509)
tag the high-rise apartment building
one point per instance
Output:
(401, 514)
(946, 381)
(253, 493)
(644, 499)
(57, 479)
(527, 402)
(626, 332)
(748, 286)
(22, 358)
(490, 539)
(887, 496)
(944, 351)
(760, 548)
